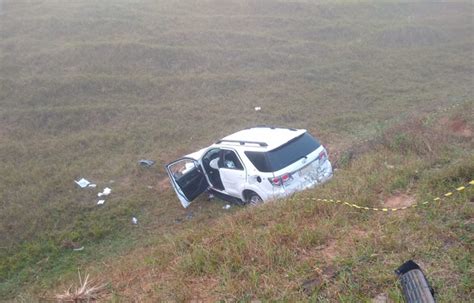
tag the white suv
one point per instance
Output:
(251, 166)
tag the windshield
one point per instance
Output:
(284, 155)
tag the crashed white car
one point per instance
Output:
(251, 166)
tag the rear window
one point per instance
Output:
(284, 155)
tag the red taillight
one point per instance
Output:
(278, 181)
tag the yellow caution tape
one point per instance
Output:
(448, 194)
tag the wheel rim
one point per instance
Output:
(255, 200)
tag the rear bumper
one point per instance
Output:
(325, 174)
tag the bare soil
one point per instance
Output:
(458, 126)
(329, 250)
(399, 200)
(164, 184)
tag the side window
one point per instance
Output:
(230, 160)
(211, 154)
(181, 168)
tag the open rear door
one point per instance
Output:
(188, 179)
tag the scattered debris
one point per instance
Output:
(79, 249)
(71, 245)
(87, 291)
(100, 202)
(82, 183)
(389, 166)
(134, 221)
(227, 206)
(150, 187)
(210, 197)
(258, 108)
(146, 163)
(92, 185)
(105, 192)
(111, 181)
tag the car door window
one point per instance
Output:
(231, 161)
(180, 168)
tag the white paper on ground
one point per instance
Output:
(82, 183)
(257, 108)
(92, 185)
(107, 191)
(134, 221)
(100, 202)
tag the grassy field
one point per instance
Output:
(87, 88)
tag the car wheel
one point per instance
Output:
(254, 199)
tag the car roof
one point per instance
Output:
(260, 138)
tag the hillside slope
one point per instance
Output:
(87, 88)
(309, 248)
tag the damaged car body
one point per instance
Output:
(252, 166)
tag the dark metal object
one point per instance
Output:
(271, 127)
(243, 142)
(146, 163)
(415, 286)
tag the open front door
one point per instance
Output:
(188, 179)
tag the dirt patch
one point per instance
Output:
(203, 289)
(319, 279)
(359, 233)
(399, 200)
(469, 221)
(461, 128)
(329, 250)
(164, 184)
(458, 126)
(381, 298)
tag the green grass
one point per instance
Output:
(88, 88)
(267, 252)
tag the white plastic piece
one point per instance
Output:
(134, 221)
(100, 202)
(107, 191)
(82, 183)
(258, 108)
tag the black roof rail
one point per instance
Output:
(243, 142)
(272, 127)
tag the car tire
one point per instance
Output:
(254, 199)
